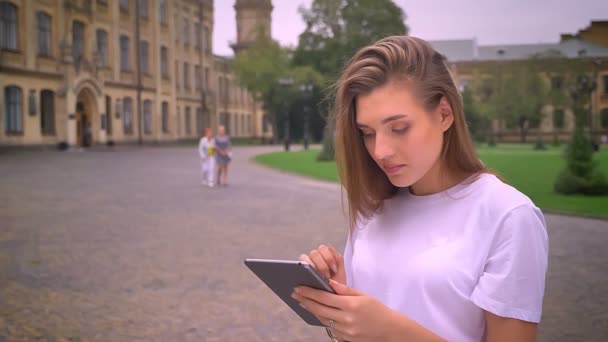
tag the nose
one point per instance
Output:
(382, 147)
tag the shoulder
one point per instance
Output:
(498, 200)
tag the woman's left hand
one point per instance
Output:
(356, 316)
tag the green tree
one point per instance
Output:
(477, 123)
(335, 30)
(581, 174)
(515, 93)
(259, 69)
(486, 94)
(525, 94)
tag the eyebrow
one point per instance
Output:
(387, 120)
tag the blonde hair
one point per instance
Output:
(396, 58)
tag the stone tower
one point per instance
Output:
(252, 18)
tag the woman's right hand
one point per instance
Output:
(328, 262)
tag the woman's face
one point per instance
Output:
(400, 135)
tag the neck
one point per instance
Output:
(438, 179)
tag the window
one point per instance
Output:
(199, 122)
(143, 57)
(9, 36)
(265, 124)
(44, 34)
(464, 85)
(197, 35)
(186, 32)
(220, 86)
(177, 115)
(243, 124)
(124, 53)
(176, 75)
(47, 112)
(127, 115)
(487, 89)
(558, 118)
(228, 122)
(242, 128)
(124, 5)
(162, 11)
(197, 77)
(237, 120)
(109, 115)
(605, 84)
(13, 119)
(206, 78)
(77, 40)
(102, 47)
(164, 62)
(147, 116)
(205, 43)
(165, 116)
(187, 120)
(143, 8)
(186, 76)
(177, 28)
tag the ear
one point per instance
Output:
(446, 115)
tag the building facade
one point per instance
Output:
(87, 72)
(586, 50)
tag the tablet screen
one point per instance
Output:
(282, 276)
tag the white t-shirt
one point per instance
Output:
(205, 148)
(443, 259)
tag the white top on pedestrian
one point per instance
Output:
(443, 259)
(205, 148)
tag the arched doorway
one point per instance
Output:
(86, 114)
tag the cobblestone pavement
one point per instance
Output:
(127, 246)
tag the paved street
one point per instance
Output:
(127, 246)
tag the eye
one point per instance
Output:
(400, 130)
(366, 134)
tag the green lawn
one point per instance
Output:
(532, 172)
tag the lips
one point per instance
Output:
(393, 169)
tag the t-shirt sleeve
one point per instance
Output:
(512, 284)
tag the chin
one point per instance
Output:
(401, 181)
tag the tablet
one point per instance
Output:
(282, 276)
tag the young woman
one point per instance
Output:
(223, 149)
(206, 154)
(439, 248)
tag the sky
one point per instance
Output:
(489, 21)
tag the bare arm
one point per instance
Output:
(406, 329)
(499, 329)
(508, 329)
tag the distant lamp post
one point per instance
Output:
(286, 83)
(306, 89)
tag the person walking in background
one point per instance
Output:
(223, 155)
(206, 153)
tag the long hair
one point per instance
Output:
(396, 58)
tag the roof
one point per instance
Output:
(456, 50)
(468, 50)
